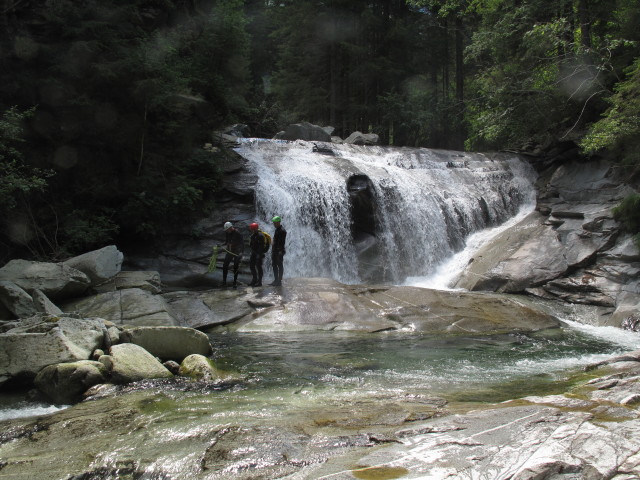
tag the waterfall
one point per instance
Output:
(381, 214)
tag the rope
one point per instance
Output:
(214, 257)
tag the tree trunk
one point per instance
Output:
(585, 23)
(459, 140)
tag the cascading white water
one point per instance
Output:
(417, 205)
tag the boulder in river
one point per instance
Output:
(168, 343)
(128, 363)
(65, 383)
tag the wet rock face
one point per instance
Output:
(570, 249)
(325, 304)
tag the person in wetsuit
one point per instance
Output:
(278, 251)
(233, 247)
(257, 247)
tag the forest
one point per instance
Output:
(105, 106)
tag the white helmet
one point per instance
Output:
(228, 225)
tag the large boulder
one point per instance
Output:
(304, 131)
(526, 255)
(359, 138)
(99, 265)
(199, 367)
(44, 340)
(55, 280)
(65, 383)
(130, 363)
(44, 305)
(132, 306)
(16, 300)
(168, 343)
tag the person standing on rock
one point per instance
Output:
(278, 251)
(233, 247)
(257, 247)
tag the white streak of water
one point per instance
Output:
(449, 270)
(28, 410)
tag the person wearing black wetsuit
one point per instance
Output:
(278, 251)
(257, 247)
(233, 247)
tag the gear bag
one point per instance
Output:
(267, 241)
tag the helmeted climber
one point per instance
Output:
(258, 246)
(233, 247)
(278, 251)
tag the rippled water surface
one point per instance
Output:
(468, 368)
(287, 372)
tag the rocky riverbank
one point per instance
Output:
(97, 307)
(63, 353)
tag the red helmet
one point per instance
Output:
(253, 227)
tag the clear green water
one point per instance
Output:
(299, 373)
(465, 368)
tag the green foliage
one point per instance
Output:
(540, 75)
(628, 213)
(183, 191)
(418, 115)
(84, 230)
(131, 90)
(338, 61)
(619, 129)
(128, 91)
(17, 178)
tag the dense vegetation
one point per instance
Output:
(105, 105)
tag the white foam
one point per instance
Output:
(28, 410)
